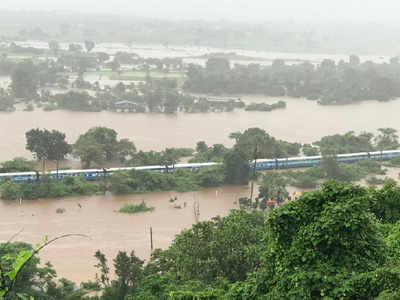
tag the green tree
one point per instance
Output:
(128, 271)
(6, 101)
(47, 145)
(89, 45)
(107, 138)
(18, 164)
(346, 143)
(273, 187)
(224, 248)
(39, 142)
(74, 48)
(330, 167)
(325, 244)
(169, 157)
(25, 80)
(103, 57)
(22, 277)
(126, 150)
(54, 46)
(201, 147)
(387, 139)
(100, 144)
(310, 150)
(59, 147)
(386, 202)
(88, 150)
(253, 144)
(236, 167)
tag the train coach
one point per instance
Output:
(310, 161)
(261, 164)
(95, 174)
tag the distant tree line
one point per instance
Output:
(329, 82)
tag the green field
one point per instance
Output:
(135, 74)
(139, 76)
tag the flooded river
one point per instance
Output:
(97, 217)
(108, 230)
(303, 121)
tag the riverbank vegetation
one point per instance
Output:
(328, 83)
(265, 106)
(330, 169)
(18, 164)
(101, 145)
(131, 182)
(354, 254)
(47, 188)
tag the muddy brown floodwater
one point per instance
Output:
(109, 230)
(302, 121)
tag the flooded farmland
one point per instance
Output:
(302, 121)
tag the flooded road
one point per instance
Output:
(303, 121)
(108, 230)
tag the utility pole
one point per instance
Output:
(151, 239)
(196, 211)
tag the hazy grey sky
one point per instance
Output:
(259, 10)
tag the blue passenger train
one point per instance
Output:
(94, 174)
(309, 161)
(261, 164)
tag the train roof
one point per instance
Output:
(75, 171)
(383, 152)
(17, 174)
(353, 154)
(195, 165)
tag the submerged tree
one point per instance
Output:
(47, 145)
(25, 80)
(387, 139)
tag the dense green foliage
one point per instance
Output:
(329, 244)
(127, 182)
(326, 244)
(47, 145)
(100, 144)
(346, 143)
(330, 169)
(237, 169)
(47, 188)
(272, 187)
(6, 101)
(340, 242)
(135, 208)
(328, 82)
(25, 80)
(255, 143)
(215, 153)
(18, 164)
(265, 106)
(22, 276)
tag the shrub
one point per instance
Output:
(135, 208)
(60, 210)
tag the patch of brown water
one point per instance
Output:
(109, 230)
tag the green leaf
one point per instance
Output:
(21, 259)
